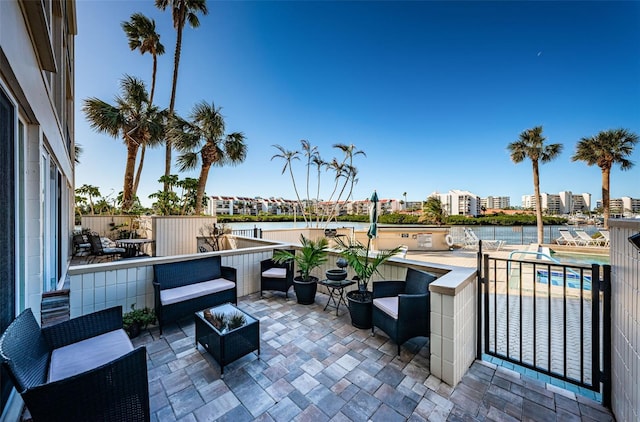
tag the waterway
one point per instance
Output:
(512, 235)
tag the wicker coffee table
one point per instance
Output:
(227, 333)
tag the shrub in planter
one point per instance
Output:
(137, 319)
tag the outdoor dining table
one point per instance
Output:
(135, 247)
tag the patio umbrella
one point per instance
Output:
(373, 216)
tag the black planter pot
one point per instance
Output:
(305, 290)
(134, 330)
(360, 308)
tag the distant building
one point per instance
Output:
(622, 206)
(495, 202)
(558, 204)
(459, 202)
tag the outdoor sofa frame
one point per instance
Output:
(115, 391)
(192, 274)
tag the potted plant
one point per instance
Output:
(137, 319)
(312, 255)
(365, 266)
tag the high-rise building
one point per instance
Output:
(495, 202)
(459, 202)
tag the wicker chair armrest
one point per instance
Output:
(387, 288)
(412, 307)
(229, 273)
(116, 391)
(83, 327)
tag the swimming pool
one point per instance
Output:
(557, 279)
(580, 258)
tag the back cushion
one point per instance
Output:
(418, 281)
(26, 351)
(176, 274)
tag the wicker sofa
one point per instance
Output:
(83, 369)
(401, 308)
(184, 287)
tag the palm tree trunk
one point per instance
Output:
(172, 103)
(127, 189)
(606, 211)
(536, 189)
(202, 183)
(136, 182)
(295, 188)
(153, 78)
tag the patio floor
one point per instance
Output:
(314, 366)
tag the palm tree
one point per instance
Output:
(288, 157)
(134, 119)
(310, 152)
(531, 145)
(142, 35)
(433, 211)
(604, 150)
(203, 139)
(405, 200)
(91, 192)
(182, 11)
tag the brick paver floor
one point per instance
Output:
(315, 366)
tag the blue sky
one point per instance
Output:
(433, 92)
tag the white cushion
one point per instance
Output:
(388, 305)
(88, 354)
(190, 291)
(275, 273)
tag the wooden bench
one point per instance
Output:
(184, 287)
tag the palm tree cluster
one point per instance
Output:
(141, 124)
(606, 149)
(345, 177)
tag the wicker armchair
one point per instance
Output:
(274, 276)
(98, 250)
(114, 391)
(401, 308)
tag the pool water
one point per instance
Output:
(580, 258)
(557, 279)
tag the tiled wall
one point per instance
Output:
(453, 325)
(96, 287)
(625, 320)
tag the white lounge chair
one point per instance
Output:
(471, 241)
(587, 239)
(605, 235)
(566, 238)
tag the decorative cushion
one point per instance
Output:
(114, 250)
(275, 273)
(388, 305)
(88, 354)
(190, 291)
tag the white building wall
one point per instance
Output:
(23, 79)
(625, 320)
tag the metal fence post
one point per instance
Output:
(606, 336)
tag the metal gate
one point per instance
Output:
(545, 316)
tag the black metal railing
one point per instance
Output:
(549, 317)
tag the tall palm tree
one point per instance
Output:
(288, 157)
(203, 139)
(134, 119)
(530, 144)
(604, 150)
(142, 36)
(182, 11)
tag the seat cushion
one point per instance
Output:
(88, 354)
(275, 273)
(388, 305)
(190, 291)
